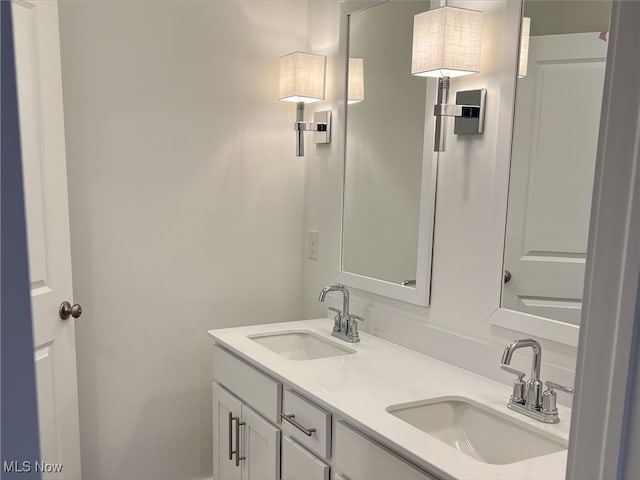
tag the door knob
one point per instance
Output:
(66, 310)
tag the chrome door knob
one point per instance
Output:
(66, 310)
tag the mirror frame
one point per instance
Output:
(420, 295)
(547, 328)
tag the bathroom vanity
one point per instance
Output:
(291, 402)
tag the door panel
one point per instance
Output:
(261, 442)
(299, 464)
(226, 410)
(552, 170)
(40, 109)
(46, 401)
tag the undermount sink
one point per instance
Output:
(301, 345)
(476, 430)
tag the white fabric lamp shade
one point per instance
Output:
(524, 47)
(302, 77)
(356, 80)
(446, 42)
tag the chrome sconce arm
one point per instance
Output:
(321, 126)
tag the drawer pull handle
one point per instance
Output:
(291, 419)
(237, 450)
(231, 418)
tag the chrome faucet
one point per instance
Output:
(533, 390)
(528, 398)
(345, 324)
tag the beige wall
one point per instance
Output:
(552, 17)
(186, 201)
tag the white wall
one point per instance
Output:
(471, 202)
(186, 200)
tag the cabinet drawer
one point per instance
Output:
(247, 383)
(307, 416)
(298, 464)
(359, 458)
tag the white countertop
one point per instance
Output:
(359, 388)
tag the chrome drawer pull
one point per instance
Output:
(237, 450)
(290, 418)
(231, 417)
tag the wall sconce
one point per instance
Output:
(446, 43)
(524, 47)
(302, 81)
(355, 82)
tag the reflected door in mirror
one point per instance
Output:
(555, 137)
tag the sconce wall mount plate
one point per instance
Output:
(323, 134)
(472, 104)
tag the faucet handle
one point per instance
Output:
(557, 386)
(549, 397)
(517, 395)
(336, 319)
(352, 325)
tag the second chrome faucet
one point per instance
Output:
(345, 325)
(528, 398)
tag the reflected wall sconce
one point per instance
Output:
(355, 82)
(447, 43)
(524, 47)
(302, 78)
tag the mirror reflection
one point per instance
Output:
(556, 123)
(384, 145)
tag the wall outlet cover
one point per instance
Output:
(313, 244)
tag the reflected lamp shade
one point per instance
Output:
(355, 81)
(524, 47)
(446, 42)
(302, 77)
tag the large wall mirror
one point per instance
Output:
(388, 174)
(555, 135)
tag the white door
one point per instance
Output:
(261, 447)
(227, 411)
(39, 82)
(552, 168)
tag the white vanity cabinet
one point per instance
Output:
(252, 442)
(245, 446)
(246, 406)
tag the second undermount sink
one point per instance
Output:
(477, 431)
(301, 345)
